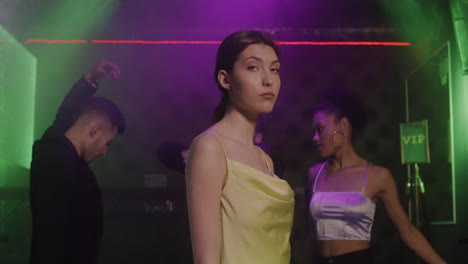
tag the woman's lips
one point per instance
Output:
(268, 95)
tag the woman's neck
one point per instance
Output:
(345, 157)
(237, 127)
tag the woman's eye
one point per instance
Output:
(277, 70)
(252, 68)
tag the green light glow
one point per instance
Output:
(463, 108)
(451, 132)
(459, 113)
(60, 65)
(71, 19)
(416, 21)
(17, 102)
(465, 87)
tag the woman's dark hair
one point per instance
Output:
(343, 102)
(228, 52)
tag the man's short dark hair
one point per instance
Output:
(106, 108)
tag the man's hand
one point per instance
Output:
(102, 69)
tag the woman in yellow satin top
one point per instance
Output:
(239, 210)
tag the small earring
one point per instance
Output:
(333, 136)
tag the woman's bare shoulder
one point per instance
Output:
(379, 172)
(208, 140)
(208, 145)
(380, 178)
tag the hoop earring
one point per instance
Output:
(333, 136)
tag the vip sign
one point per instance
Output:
(414, 140)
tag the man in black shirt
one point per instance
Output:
(66, 201)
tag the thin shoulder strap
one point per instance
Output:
(317, 176)
(365, 178)
(262, 153)
(222, 143)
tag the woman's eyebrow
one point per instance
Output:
(253, 57)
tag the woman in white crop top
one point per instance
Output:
(345, 189)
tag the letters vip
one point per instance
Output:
(415, 139)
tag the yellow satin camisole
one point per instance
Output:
(256, 216)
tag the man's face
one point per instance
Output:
(100, 139)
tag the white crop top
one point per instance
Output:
(342, 215)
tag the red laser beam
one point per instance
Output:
(161, 42)
(306, 43)
(343, 43)
(54, 41)
(209, 42)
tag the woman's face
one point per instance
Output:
(325, 125)
(254, 82)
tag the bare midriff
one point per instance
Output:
(330, 248)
